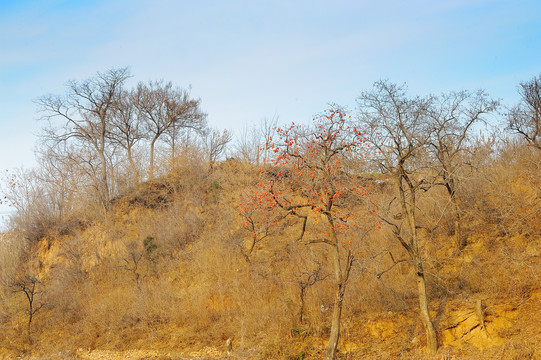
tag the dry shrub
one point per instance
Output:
(196, 287)
(504, 193)
(12, 250)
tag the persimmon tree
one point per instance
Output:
(262, 225)
(309, 178)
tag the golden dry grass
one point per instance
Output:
(109, 294)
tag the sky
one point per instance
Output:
(252, 59)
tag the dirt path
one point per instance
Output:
(205, 354)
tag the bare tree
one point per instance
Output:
(266, 130)
(399, 131)
(29, 285)
(137, 255)
(24, 192)
(69, 175)
(253, 144)
(216, 143)
(247, 144)
(452, 116)
(165, 109)
(86, 113)
(306, 279)
(63, 180)
(525, 118)
(126, 129)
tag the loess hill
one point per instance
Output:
(170, 273)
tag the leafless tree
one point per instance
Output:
(398, 128)
(69, 175)
(137, 255)
(307, 278)
(126, 129)
(266, 130)
(252, 145)
(29, 286)
(62, 178)
(86, 113)
(452, 117)
(216, 144)
(24, 192)
(525, 118)
(165, 109)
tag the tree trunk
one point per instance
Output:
(101, 151)
(409, 208)
(431, 335)
(330, 353)
(301, 311)
(341, 282)
(460, 240)
(30, 328)
(133, 166)
(151, 167)
(104, 181)
(173, 147)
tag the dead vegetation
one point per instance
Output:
(173, 273)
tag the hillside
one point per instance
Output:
(395, 233)
(166, 274)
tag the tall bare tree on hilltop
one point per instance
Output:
(165, 109)
(83, 116)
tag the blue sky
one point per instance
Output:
(248, 60)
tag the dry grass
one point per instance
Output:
(191, 288)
